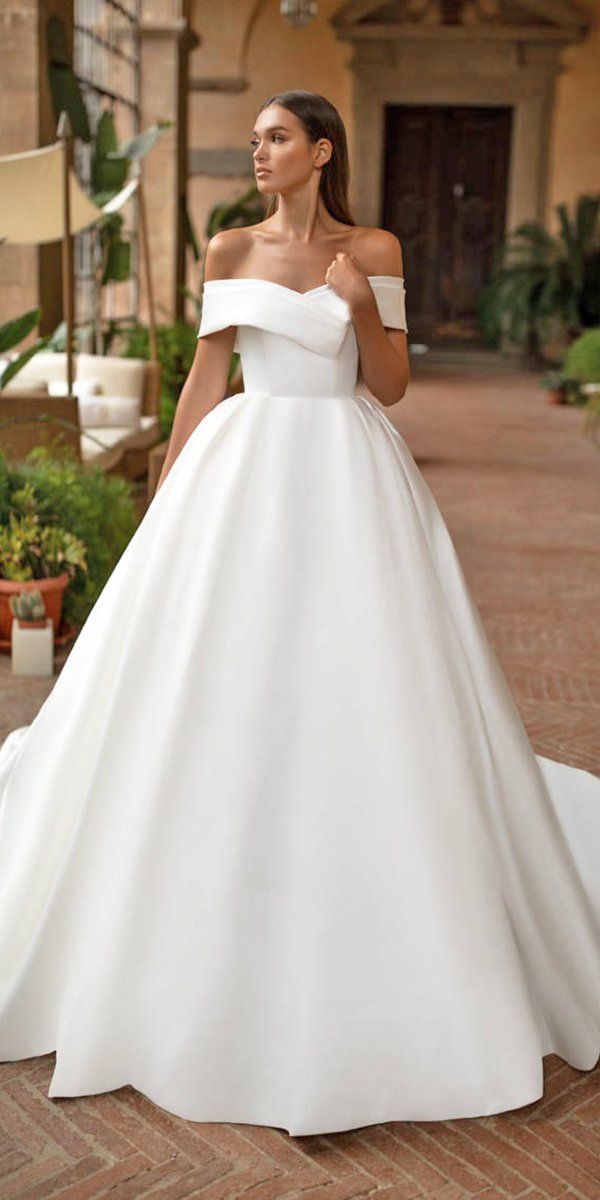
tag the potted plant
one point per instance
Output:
(560, 388)
(99, 508)
(29, 609)
(545, 289)
(36, 557)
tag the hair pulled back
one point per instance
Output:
(321, 119)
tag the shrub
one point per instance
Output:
(582, 358)
(542, 283)
(95, 507)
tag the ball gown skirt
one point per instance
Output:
(276, 848)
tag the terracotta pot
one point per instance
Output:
(36, 623)
(555, 396)
(52, 592)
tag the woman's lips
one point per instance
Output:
(262, 171)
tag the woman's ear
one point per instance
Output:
(324, 152)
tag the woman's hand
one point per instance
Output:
(349, 281)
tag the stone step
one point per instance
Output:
(472, 356)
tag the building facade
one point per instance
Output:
(465, 118)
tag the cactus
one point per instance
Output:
(28, 605)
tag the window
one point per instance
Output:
(106, 61)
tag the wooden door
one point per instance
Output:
(444, 196)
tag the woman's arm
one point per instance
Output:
(384, 364)
(206, 383)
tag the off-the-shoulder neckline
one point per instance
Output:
(322, 287)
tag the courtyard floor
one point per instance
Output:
(519, 486)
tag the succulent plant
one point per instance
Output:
(28, 605)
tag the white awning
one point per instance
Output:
(31, 197)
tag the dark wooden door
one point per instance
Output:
(444, 196)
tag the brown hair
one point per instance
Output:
(321, 119)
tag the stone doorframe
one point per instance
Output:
(406, 62)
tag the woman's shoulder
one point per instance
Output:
(224, 251)
(379, 250)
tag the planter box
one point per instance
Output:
(52, 593)
(32, 650)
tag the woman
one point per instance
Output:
(276, 849)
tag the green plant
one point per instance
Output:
(543, 284)
(28, 606)
(558, 380)
(96, 508)
(15, 331)
(57, 340)
(582, 359)
(30, 550)
(246, 210)
(111, 163)
(62, 81)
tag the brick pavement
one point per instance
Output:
(518, 485)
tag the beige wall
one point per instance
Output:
(30, 275)
(18, 131)
(575, 141)
(279, 58)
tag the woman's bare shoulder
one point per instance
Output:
(378, 250)
(225, 251)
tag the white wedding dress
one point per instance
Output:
(276, 848)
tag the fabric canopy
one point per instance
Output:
(32, 200)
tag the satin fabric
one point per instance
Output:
(276, 848)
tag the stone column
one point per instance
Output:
(19, 71)
(164, 48)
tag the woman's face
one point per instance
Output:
(284, 156)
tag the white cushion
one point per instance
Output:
(17, 385)
(118, 376)
(110, 437)
(81, 387)
(97, 412)
(104, 439)
(43, 367)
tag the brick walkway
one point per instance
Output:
(518, 485)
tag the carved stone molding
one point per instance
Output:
(457, 52)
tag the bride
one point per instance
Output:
(276, 848)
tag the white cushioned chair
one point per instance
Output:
(114, 404)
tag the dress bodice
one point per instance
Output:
(295, 343)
